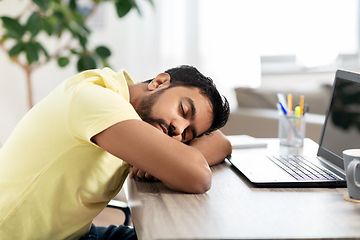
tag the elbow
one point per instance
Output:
(192, 175)
(197, 188)
(203, 189)
(228, 148)
(203, 184)
(197, 180)
(200, 182)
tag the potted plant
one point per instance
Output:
(23, 38)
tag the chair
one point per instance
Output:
(121, 206)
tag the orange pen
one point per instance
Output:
(302, 104)
(289, 98)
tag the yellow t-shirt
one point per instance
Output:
(53, 179)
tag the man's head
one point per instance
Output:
(196, 93)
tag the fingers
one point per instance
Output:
(132, 172)
(140, 173)
(148, 176)
(136, 172)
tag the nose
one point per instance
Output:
(178, 128)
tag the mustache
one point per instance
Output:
(169, 128)
(159, 121)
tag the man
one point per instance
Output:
(72, 152)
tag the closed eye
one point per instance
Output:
(188, 113)
(182, 110)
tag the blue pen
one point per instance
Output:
(283, 109)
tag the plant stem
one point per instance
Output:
(28, 70)
(29, 87)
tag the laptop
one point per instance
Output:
(341, 130)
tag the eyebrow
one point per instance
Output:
(193, 113)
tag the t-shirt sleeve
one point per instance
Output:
(94, 108)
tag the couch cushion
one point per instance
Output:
(316, 98)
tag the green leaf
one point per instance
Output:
(47, 26)
(134, 4)
(72, 5)
(63, 61)
(31, 52)
(86, 63)
(60, 15)
(43, 4)
(17, 49)
(103, 52)
(73, 51)
(39, 48)
(83, 27)
(59, 27)
(3, 38)
(14, 28)
(77, 28)
(82, 41)
(34, 24)
(123, 7)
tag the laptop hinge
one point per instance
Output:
(331, 165)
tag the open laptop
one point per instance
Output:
(341, 130)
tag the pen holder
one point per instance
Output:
(292, 130)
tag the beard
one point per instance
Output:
(146, 114)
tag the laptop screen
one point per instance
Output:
(342, 124)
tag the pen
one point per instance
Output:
(297, 111)
(282, 108)
(289, 99)
(282, 100)
(302, 105)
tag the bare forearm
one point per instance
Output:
(214, 147)
(177, 165)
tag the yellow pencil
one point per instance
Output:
(289, 98)
(302, 104)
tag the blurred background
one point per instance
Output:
(237, 43)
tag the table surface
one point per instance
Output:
(235, 209)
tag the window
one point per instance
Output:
(308, 35)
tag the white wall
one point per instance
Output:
(109, 31)
(13, 95)
(165, 36)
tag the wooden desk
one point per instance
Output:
(235, 209)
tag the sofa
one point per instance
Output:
(256, 113)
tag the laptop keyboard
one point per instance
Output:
(302, 169)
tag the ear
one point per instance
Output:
(161, 80)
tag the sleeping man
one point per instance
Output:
(71, 153)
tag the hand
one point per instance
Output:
(214, 147)
(136, 172)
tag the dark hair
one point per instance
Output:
(189, 76)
